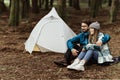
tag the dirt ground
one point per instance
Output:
(16, 65)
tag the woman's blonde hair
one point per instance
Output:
(94, 38)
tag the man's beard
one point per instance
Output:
(84, 30)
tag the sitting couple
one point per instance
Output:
(90, 43)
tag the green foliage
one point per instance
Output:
(7, 2)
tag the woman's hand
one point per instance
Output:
(99, 43)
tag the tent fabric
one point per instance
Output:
(50, 34)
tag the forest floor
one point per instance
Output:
(16, 65)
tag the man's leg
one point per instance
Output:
(68, 57)
(66, 60)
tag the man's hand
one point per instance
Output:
(99, 43)
(74, 52)
(78, 45)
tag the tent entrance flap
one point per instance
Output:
(39, 48)
(36, 48)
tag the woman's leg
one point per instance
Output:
(84, 57)
(81, 55)
(95, 55)
(88, 55)
(77, 60)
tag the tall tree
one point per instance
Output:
(40, 3)
(94, 7)
(114, 10)
(51, 3)
(100, 3)
(14, 13)
(2, 1)
(70, 2)
(109, 3)
(10, 4)
(89, 3)
(25, 5)
(2, 6)
(62, 8)
(46, 4)
(35, 7)
(76, 4)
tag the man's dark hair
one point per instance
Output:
(87, 21)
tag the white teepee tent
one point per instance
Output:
(50, 34)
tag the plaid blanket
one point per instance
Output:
(104, 54)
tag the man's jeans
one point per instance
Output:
(68, 55)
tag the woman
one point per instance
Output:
(100, 53)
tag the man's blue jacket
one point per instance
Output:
(82, 39)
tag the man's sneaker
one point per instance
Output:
(61, 63)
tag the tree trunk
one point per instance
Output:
(46, 4)
(70, 3)
(2, 1)
(100, 3)
(35, 7)
(114, 10)
(14, 13)
(89, 3)
(51, 3)
(2, 7)
(25, 5)
(76, 4)
(109, 3)
(10, 4)
(62, 9)
(105, 1)
(94, 8)
(40, 3)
